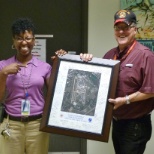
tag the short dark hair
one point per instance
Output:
(22, 24)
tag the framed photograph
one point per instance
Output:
(77, 99)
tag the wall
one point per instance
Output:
(65, 20)
(100, 40)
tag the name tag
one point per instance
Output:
(129, 65)
(25, 107)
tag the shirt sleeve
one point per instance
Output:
(49, 68)
(148, 74)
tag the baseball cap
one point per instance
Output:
(126, 16)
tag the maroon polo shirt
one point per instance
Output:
(136, 74)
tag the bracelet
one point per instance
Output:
(127, 99)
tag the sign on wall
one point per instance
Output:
(39, 49)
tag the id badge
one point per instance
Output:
(25, 107)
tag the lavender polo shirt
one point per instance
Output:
(136, 74)
(15, 89)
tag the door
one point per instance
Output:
(67, 21)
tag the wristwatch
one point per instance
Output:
(127, 99)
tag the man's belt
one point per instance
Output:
(140, 119)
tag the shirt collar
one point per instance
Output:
(121, 54)
(33, 61)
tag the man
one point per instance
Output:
(134, 99)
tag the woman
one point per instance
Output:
(22, 79)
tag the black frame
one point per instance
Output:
(49, 105)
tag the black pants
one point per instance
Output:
(130, 136)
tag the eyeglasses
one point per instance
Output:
(27, 39)
(123, 28)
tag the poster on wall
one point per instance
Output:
(39, 49)
(144, 10)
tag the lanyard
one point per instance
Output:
(28, 81)
(128, 52)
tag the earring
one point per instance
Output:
(13, 46)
